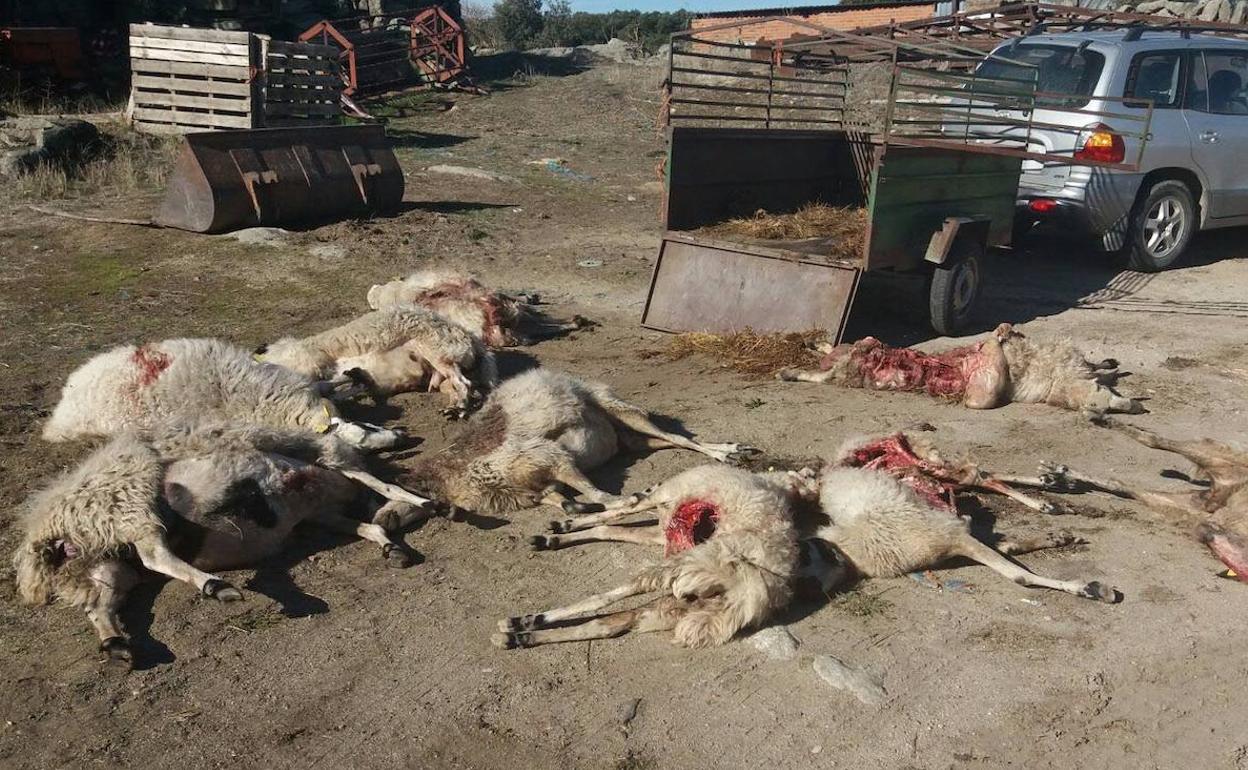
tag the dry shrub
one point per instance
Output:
(844, 226)
(129, 163)
(758, 355)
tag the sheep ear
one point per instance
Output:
(179, 497)
(261, 349)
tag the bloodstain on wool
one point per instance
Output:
(944, 375)
(894, 456)
(150, 363)
(470, 291)
(300, 479)
(1228, 548)
(693, 522)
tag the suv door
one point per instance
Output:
(1217, 119)
(1159, 76)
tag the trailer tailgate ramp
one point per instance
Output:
(723, 287)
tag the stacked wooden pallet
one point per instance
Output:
(185, 79)
(302, 84)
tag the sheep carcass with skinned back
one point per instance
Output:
(394, 350)
(731, 551)
(539, 430)
(180, 501)
(495, 317)
(1001, 369)
(886, 527)
(187, 380)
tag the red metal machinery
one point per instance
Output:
(393, 50)
(55, 47)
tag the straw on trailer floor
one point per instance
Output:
(843, 227)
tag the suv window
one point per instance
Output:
(1225, 78)
(1156, 75)
(1061, 69)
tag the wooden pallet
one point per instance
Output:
(185, 80)
(302, 84)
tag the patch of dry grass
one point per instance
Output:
(129, 163)
(845, 226)
(758, 355)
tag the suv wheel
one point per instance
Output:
(1161, 227)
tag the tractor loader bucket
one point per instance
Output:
(227, 180)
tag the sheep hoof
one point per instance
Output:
(521, 623)
(455, 412)
(787, 375)
(574, 506)
(511, 641)
(396, 556)
(222, 591)
(1101, 592)
(559, 527)
(118, 649)
(581, 322)
(543, 543)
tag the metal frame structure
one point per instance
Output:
(395, 50)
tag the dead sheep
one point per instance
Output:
(189, 380)
(494, 317)
(730, 544)
(885, 527)
(183, 502)
(537, 431)
(398, 349)
(1004, 368)
(1217, 512)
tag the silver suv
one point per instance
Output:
(1194, 171)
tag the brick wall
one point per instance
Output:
(848, 17)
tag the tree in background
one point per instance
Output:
(519, 22)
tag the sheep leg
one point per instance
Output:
(568, 474)
(1209, 456)
(1177, 505)
(640, 535)
(790, 374)
(1091, 396)
(651, 579)
(454, 384)
(999, 485)
(639, 422)
(157, 557)
(976, 551)
(365, 436)
(660, 615)
(605, 513)
(395, 554)
(396, 514)
(113, 580)
(388, 491)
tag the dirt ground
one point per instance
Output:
(334, 660)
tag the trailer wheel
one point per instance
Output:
(955, 288)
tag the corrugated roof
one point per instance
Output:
(807, 10)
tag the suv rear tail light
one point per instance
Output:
(1042, 205)
(1102, 146)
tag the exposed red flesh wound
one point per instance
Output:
(944, 375)
(693, 522)
(894, 455)
(300, 479)
(150, 363)
(1229, 551)
(470, 291)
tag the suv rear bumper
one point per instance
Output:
(1097, 208)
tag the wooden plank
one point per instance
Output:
(279, 122)
(166, 32)
(285, 109)
(154, 67)
(152, 43)
(161, 54)
(184, 101)
(187, 85)
(304, 97)
(292, 80)
(208, 120)
(283, 48)
(145, 127)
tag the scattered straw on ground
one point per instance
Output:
(845, 226)
(759, 355)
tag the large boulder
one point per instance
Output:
(26, 143)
